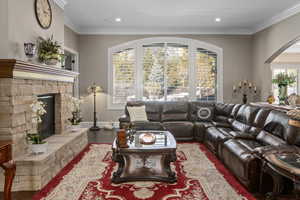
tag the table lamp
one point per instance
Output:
(94, 89)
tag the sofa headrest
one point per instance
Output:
(277, 124)
(235, 110)
(175, 111)
(260, 117)
(246, 114)
(223, 109)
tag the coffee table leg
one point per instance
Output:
(167, 167)
(297, 189)
(121, 163)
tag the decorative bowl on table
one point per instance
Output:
(147, 138)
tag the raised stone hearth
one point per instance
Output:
(20, 83)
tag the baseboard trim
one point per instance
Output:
(102, 124)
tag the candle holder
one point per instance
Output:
(245, 88)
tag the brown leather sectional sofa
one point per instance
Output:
(234, 133)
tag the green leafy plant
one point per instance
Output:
(284, 79)
(34, 138)
(48, 49)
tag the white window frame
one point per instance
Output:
(138, 46)
(287, 66)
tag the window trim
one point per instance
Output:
(137, 45)
(286, 66)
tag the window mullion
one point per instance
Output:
(192, 72)
(165, 72)
(139, 72)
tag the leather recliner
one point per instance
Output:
(235, 133)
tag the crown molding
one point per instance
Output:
(278, 18)
(61, 3)
(159, 31)
(71, 25)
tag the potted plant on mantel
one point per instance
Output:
(37, 144)
(49, 51)
(283, 80)
(76, 116)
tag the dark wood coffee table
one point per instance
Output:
(141, 162)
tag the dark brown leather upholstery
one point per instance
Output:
(236, 133)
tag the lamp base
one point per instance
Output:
(94, 128)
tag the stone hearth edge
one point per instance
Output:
(35, 171)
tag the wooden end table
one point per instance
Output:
(9, 167)
(141, 162)
(280, 165)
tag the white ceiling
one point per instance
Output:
(176, 16)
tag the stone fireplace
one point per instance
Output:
(20, 84)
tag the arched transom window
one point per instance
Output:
(164, 69)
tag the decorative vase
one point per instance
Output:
(51, 61)
(29, 50)
(39, 148)
(282, 94)
(75, 128)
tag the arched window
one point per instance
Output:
(164, 69)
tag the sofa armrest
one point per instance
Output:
(221, 124)
(124, 118)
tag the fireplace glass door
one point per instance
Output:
(47, 127)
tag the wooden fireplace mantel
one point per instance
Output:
(11, 68)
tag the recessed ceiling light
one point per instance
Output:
(218, 19)
(118, 19)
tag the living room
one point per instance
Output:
(149, 99)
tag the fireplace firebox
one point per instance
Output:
(47, 127)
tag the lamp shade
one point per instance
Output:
(94, 89)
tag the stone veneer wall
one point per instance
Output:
(16, 95)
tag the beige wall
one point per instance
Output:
(22, 26)
(266, 43)
(93, 52)
(71, 39)
(3, 30)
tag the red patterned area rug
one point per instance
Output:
(200, 175)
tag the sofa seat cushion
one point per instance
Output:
(180, 129)
(142, 125)
(242, 163)
(221, 124)
(251, 145)
(221, 118)
(269, 139)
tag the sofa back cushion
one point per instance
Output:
(277, 124)
(244, 118)
(223, 109)
(175, 111)
(194, 109)
(153, 109)
(235, 110)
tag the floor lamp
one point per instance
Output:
(94, 89)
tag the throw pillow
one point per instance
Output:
(205, 113)
(137, 113)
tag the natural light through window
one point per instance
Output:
(168, 69)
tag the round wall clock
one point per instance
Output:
(43, 13)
